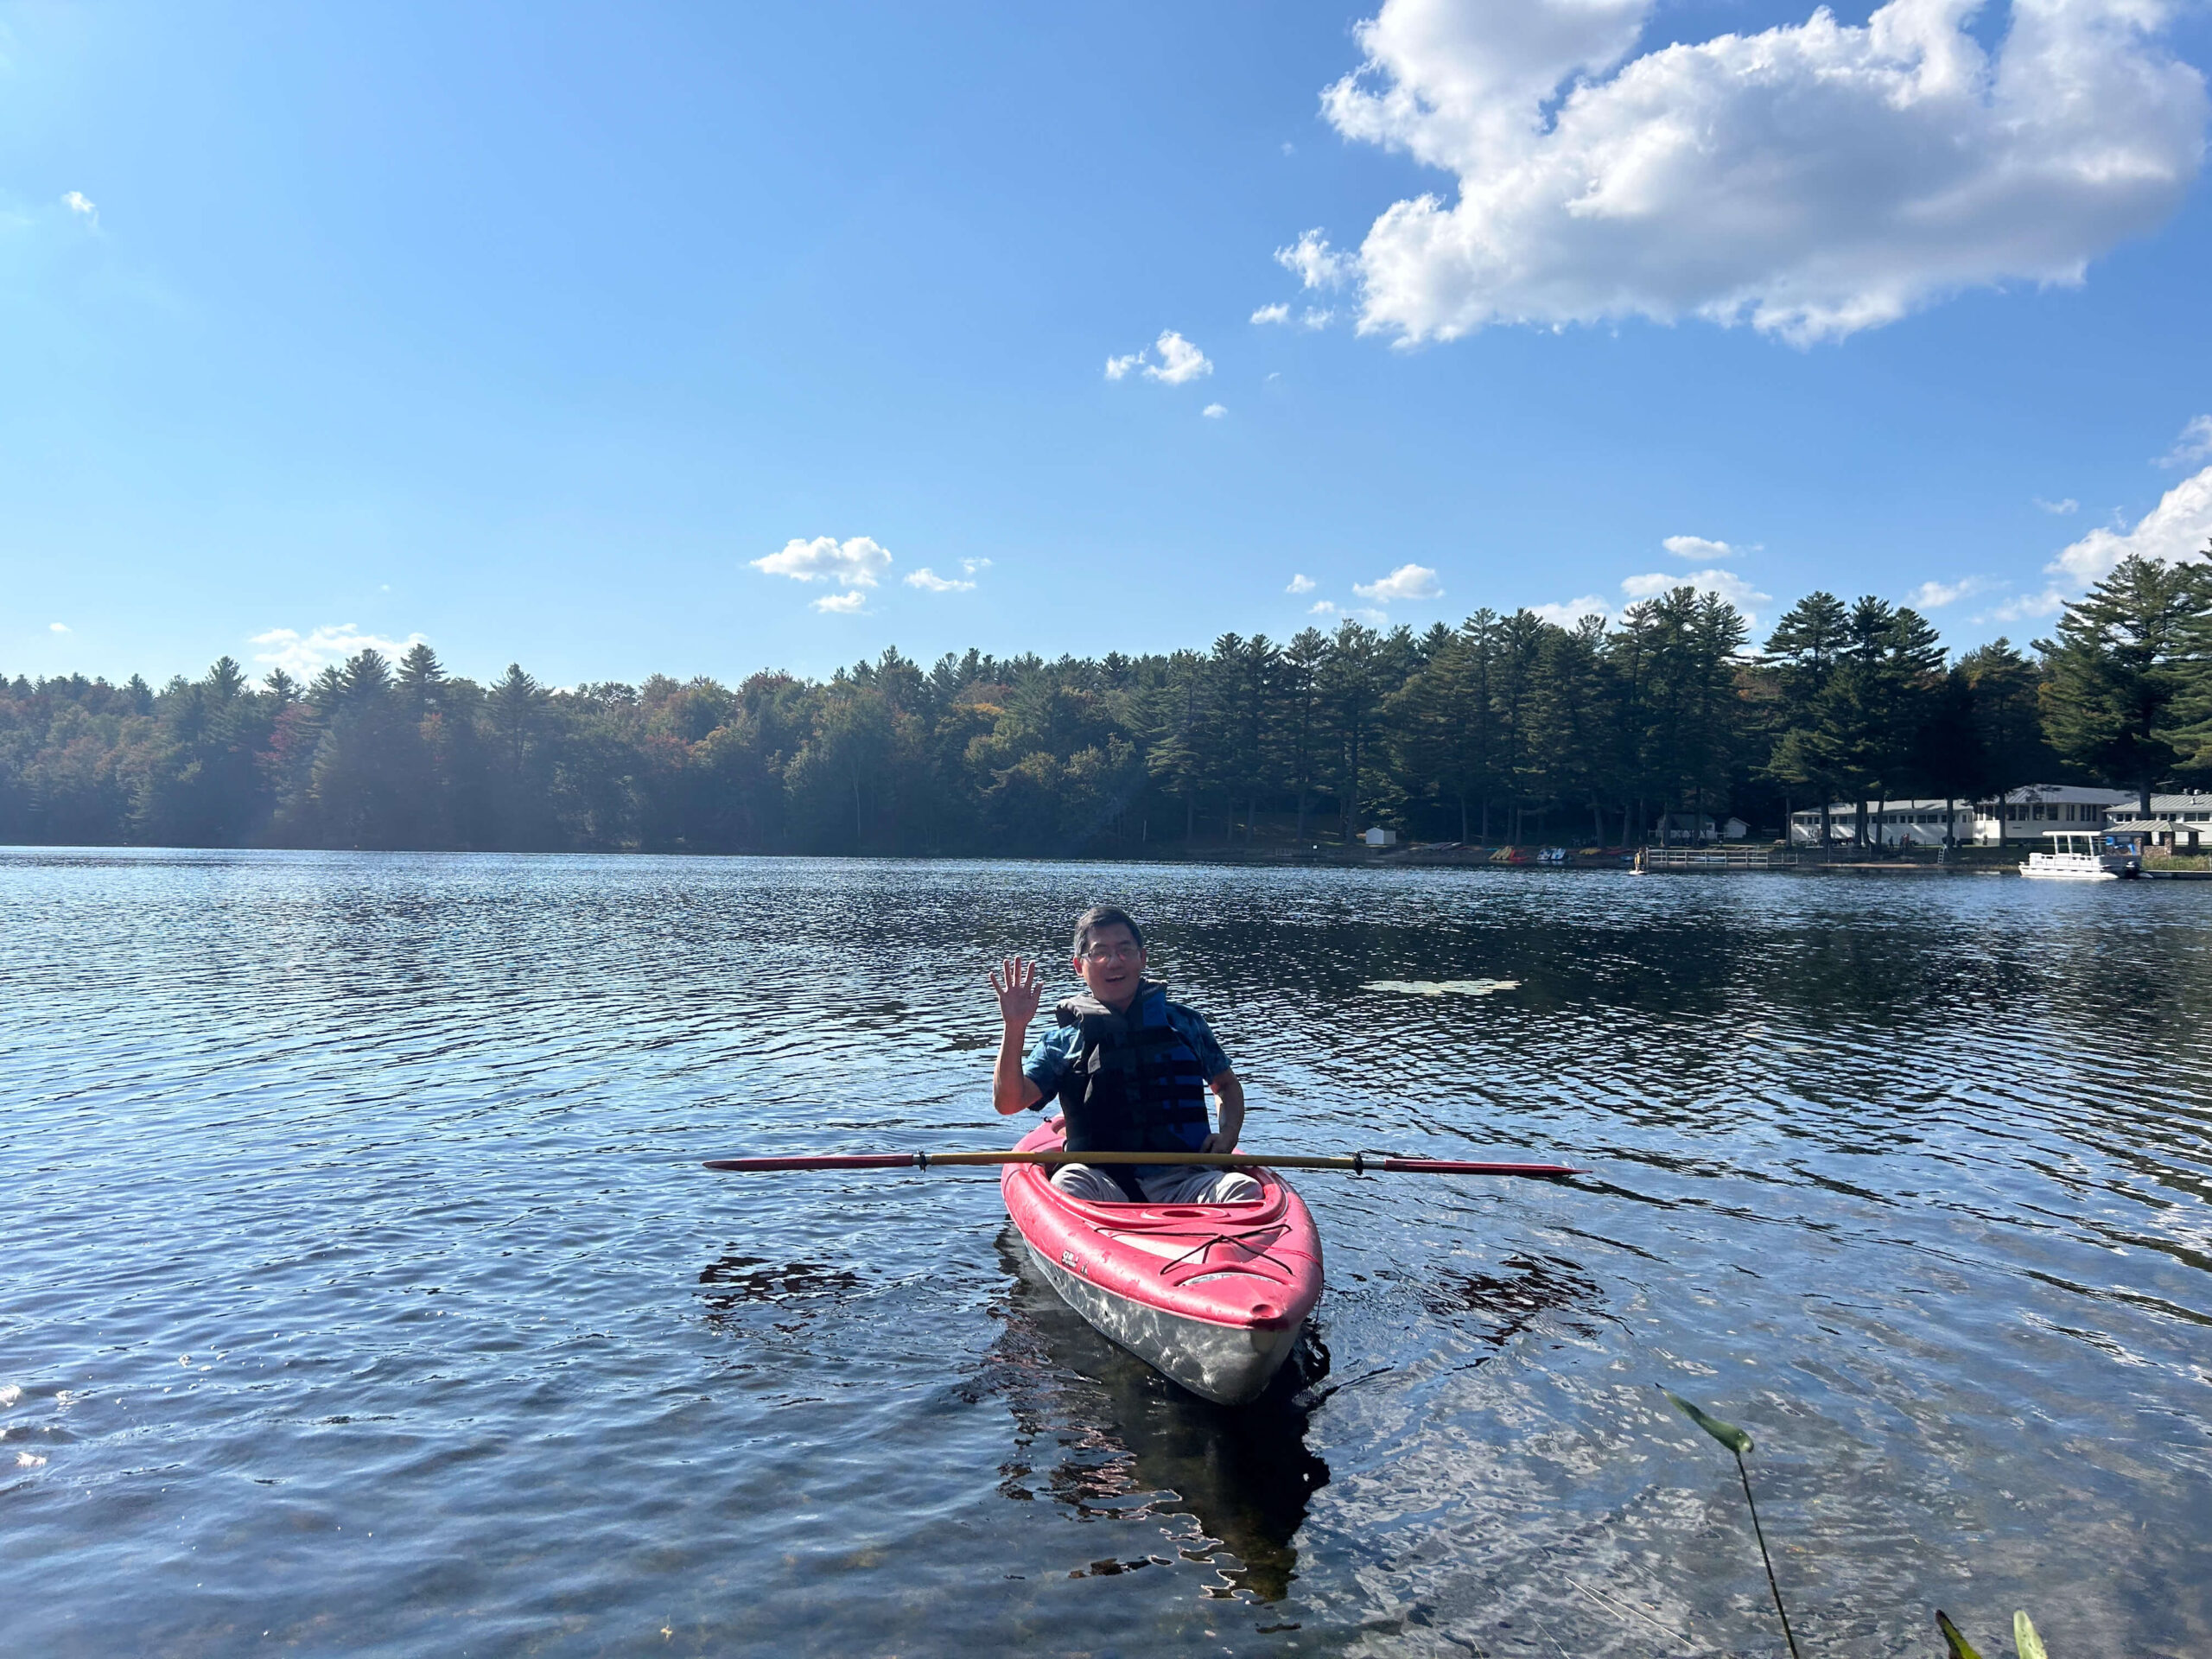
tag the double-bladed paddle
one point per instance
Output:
(1358, 1163)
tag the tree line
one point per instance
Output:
(1505, 728)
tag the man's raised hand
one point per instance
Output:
(1016, 984)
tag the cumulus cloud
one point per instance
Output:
(1697, 547)
(2194, 445)
(2061, 508)
(1321, 607)
(1315, 263)
(57, 627)
(1566, 612)
(1724, 583)
(1407, 582)
(2027, 607)
(81, 204)
(1811, 179)
(1301, 585)
(858, 562)
(971, 566)
(2173, 532)
(308, 654)
(1179, 361)
(1276, 313)
(842, 604)
(1214, 411)
(930, 582)
(1933, 596)
(1315, 317)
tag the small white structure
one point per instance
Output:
(1382, 837)
(2079, 855)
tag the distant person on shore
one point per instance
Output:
(1130, 1068)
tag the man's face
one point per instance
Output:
(1111, 965)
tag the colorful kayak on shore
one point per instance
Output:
(1211, 1295)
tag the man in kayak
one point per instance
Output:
(1130, 1068)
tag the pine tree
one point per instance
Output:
(2119, 670)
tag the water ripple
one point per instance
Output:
(362, 1288)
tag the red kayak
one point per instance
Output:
(1211, 1294)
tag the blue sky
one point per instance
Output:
(619, 341)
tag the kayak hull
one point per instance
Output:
(1212, 1296)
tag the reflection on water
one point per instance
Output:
(1129, 1443)
(362, 1286)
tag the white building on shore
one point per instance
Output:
(2023, 815)
(2179, 823)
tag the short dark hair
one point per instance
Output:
(1100, 915)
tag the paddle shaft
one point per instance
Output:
(1358, 1163)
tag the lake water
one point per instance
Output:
(361, 1293)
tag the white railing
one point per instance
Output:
(1716, 858)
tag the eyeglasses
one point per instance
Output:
(1102, 954)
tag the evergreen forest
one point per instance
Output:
(1509, 728)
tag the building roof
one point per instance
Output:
(2077, 792)
(2190, 803)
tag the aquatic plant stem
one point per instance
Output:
(1759, 1533)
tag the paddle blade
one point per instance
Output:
(1959, 1646)
(825, 1160)
(2025, 1639)
(1727, 1433)
(1447, 1167)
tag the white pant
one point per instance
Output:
(1177, 1184)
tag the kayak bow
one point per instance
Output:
(1212, 1295)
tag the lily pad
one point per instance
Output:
(1443, 986)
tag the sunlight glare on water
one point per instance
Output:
(363, 1294)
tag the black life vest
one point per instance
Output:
(1133, 1086)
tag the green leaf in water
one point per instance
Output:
(2025, 1639)
(1727, 1433)
(1959, 1647)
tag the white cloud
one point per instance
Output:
(2173, 532)
(1315, 317)
(1726, 584)
(1315, 263)
(1276, 313)
(308, 654)
(78, 202)
(57, 627)
(1933, 596)
(2194, 445)
(1214, 411)
(1407, 582)
(971, 566)
(855, 563)
(1697, 547)
(842, 604)
(2027, 607)
(1320, 607)
(930, 582)
(1811, 179)
(1180, 361)
(2061, 508)
(1567, 612)
(1301, 585)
